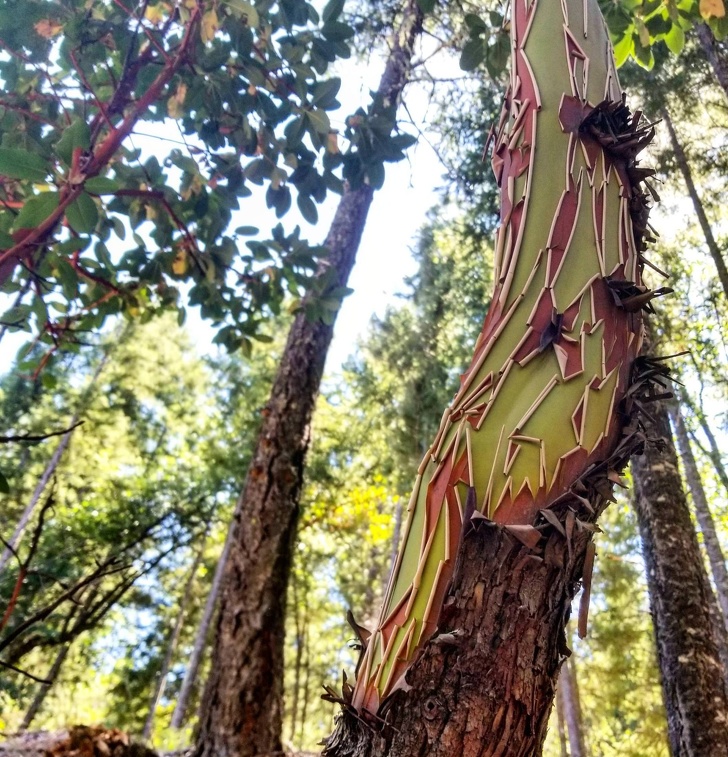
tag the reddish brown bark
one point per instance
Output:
(484, 685)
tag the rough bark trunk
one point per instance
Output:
(485, 683)
(702, 511)
(687, 175)
(691, 672)
(243, 708)
(171, 649)
(198, 646)
(717, 62)
(572, 709)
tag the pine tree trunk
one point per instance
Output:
(702, 511)
(198, 646)
(561, 723)
(171, 649)
(684, 166)
(714, 453)
(42, 692)
(717, 61)
(242, 708)
(691, 672)
(572, 709)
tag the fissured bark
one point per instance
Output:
(484, 685)
(692, 677)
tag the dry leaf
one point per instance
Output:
(179, 264)
(210, 24)
(174, 104)
(712, 8)
(48, 28)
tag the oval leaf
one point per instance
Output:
(36, 210)
(21, 164)
(82, 215)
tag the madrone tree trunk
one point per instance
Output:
(468, 646)
(242, 708)
(692, 678)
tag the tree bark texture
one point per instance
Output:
(572, 709)
(718, 62)
(498, 537)
(684, 166)
(692, 677)
(711, 541)
(484, 684)
(243, 703)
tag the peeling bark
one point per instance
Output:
(485, 683)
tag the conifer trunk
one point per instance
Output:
(242, 708)
(198, 646)
(714, 453)
(171, 648)
(692, 681)
(684, 166)
(572, 709)
(718, 62)
(711, 541)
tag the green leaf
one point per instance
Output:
(319, 120)
(426, 6)
(473, 54)
(308, 208)
(101, 185)
(75, 135)
(675, 39)
(4, 485)
(324, 93)
(21, 164)
(622, 50)
(475, 23)
(83, 215)
(332, 10)
(36, 210)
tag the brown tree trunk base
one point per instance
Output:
(483, 686)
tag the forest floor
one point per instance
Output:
(89, 741)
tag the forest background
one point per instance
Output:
(138, 499)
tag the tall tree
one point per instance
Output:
(692, 678)
(711, 541)
(498, 536)
(572, 709)
(242, 708)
